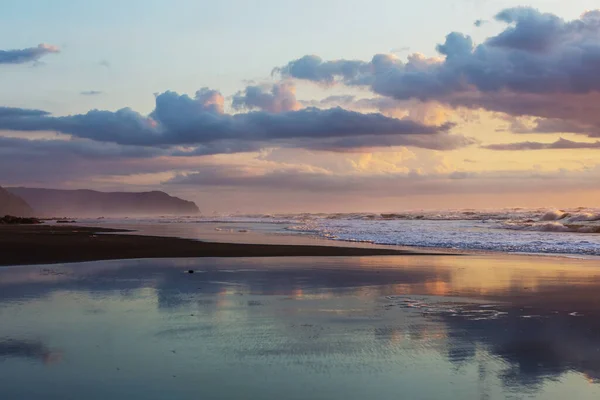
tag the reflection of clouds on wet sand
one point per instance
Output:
(537, 344)
(507, 324)
(29, 349)
(536, 348)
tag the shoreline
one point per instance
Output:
(52, 244)
(228, 232)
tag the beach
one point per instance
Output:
(301, 200)
(288, 321)
(47, 244)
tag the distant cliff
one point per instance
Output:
(54, 202)
(11, 204)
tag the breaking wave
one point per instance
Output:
(572, 231)
(550, 231)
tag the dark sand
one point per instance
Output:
(49, 244)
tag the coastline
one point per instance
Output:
(51, 244)
(270, 234)
(126, 317)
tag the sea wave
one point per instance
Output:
(524, 236)
(573, 231)
(553, 226)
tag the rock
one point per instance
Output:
(12, 220)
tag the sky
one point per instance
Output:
(313, 106)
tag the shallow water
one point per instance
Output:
(351, 328)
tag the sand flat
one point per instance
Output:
(45, 244)
(385, 327)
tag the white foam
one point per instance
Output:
(553, 215)
(503, 236)
(549, 231)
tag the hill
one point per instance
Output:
(11, 204)
(56, 202)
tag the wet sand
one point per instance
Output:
(261, 326)
(46, 244)
(478, 327)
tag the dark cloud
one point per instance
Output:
(530, 30)
(456, 45)
(541, 53)
(313, 68)
(576, 113)
(13, 112)
(336, 100)
(282, 97)
(359, 144)
(553, 125)
(12, 146)
(221, 147)
(533, 67)
(91, 93)
(276, 98)
(22, 56)
(199, 121)
(331, 101)
(210, 100)
(383, 104)
(559, 144)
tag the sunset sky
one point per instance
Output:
(329, 105)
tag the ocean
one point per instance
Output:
(572, 232)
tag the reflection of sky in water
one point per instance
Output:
(301, 328)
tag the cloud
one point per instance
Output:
(382, 104)
(535, 66)
(440, 142)
(104, 63)
(559, 144)
(395, 184)
(530, 30)
(56, 161)
(555, 57)
(13, 112)
(79, 147)
(282, 97)
(277, 98)
(331, 101)
(91, 93)
(313, 68)
(22, 56)
(554, 125)
(210, 100)
(200, 121)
